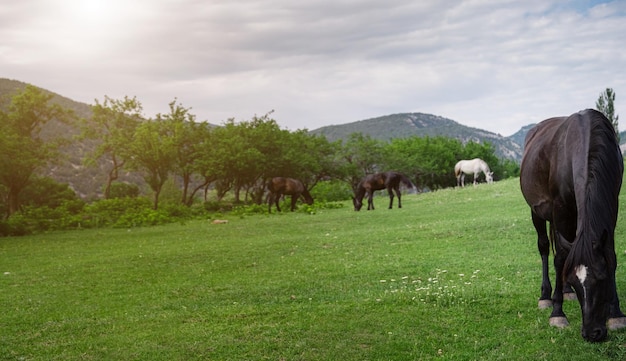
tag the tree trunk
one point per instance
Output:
(13, 201)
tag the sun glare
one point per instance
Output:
(89, 11)
(91, 7)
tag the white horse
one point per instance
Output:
(474, 166)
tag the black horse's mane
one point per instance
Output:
(605, 166)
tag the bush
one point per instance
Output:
(46, 192)
(122, 213)
(32, 219)
(331, 191)
(123, 190)
(17, 225)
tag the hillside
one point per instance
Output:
(420, 124)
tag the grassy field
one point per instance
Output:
(454, 275)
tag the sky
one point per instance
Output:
(496, 65)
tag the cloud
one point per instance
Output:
(495, 65)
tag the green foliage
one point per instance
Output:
(331, 191)
(123, 190)
(22, 147)
(246, 210)
(124, 213)
(606, 105)
(46, 192)
(39, 219)
(430, 161)
(112, 124)
(46, 206)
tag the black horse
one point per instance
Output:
(571, 175)
(373, 182)
(279, 186)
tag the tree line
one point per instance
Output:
(236, 158)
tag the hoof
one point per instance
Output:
(560, 322)
(543, 304)
(616, 323)
(570, 296)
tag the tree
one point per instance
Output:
(430, 160)
(606, 105)
(153, 152)
(23, 150)
(113, 124)
(187, 137)
(359, 156)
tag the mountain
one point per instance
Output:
(420, 124)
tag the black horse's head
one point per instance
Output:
(357, 203)
(308, 199)
(592, 279)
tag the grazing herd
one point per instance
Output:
(571, 175)
(391, 181)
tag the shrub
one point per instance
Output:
(123, 190)
(44, 191)
(331, 191)
(122, 212)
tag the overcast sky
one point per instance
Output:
(492, 64)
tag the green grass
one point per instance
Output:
(454, 275)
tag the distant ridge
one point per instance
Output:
(405, 125)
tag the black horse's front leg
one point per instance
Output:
(617, 319)
(370, 200)
(390, 191)
(558, 317)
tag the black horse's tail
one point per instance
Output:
(407, 181)
(269, 185)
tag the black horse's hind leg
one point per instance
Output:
(399, 198)
(390, 191)
(543, 244)
(277, 201)
(294, 199)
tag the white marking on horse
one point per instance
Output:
(581, 273)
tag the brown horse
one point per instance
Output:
(571, 175)
(279, 186)
(373, 182)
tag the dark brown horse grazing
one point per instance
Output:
(373, 182)
(571, 175)
(279, 186)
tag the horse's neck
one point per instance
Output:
(360, 192)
